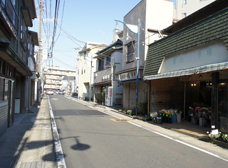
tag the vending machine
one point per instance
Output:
(109, 96)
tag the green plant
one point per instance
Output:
(225, 137)
(142, 108)
(132, 112)
(125, 111)
(214, 136)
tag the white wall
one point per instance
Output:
(190, 7)
(159, 15)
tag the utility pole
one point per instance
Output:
(40, 53)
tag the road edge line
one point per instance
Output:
(58, 147)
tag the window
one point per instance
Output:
(101, 65)
(85, 54)
(130, 51)
(184, 2)
(24, 40)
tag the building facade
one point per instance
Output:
(108, 90)
(53, 77)
(187, 7)
(188, 70)
(147, 11)
(16, 16)
(86, 67)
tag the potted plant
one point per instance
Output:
(225, 137)
(214, 134)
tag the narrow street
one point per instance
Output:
(91, 138)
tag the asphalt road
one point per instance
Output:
(92, 139)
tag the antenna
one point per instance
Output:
(103, 34)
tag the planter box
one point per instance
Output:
(202, 122)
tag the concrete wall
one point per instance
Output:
(155, 14)
(129, 94)
(190, 7)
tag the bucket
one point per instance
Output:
(174, 118)
(159, 120)
(178, 118)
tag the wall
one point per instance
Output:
(138, 12)
(129, 94)
(190, 7)
(205, 32)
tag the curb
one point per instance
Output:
(57, 143)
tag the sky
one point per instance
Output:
(84, 20)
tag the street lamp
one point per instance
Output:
(135, 31)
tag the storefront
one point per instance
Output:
(7, 84)
(188, 70)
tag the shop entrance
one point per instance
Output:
(198, 102)
(223, 107)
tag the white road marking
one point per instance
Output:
(166, 136)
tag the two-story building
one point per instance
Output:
(107, 87)
(152, 14)
(15, 18)
(86, 67)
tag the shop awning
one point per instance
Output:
(190, 71)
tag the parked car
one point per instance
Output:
(50, 92)
(61, 92)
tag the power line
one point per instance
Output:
(64, 63)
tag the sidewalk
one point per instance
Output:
(29, 142)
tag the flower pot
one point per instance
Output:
(159, 120)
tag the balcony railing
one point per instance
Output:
(102, 76)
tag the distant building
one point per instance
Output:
(54, 76)
(187, 7)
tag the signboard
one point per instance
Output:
(128, 76)
(215, 53)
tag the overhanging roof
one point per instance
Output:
(190, 71)
(110, 49)
(34, 37)
(27, 16)
(31, 5)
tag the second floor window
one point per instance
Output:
(130, 50)
(184, 2)
(24, 40)
(101, 65)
